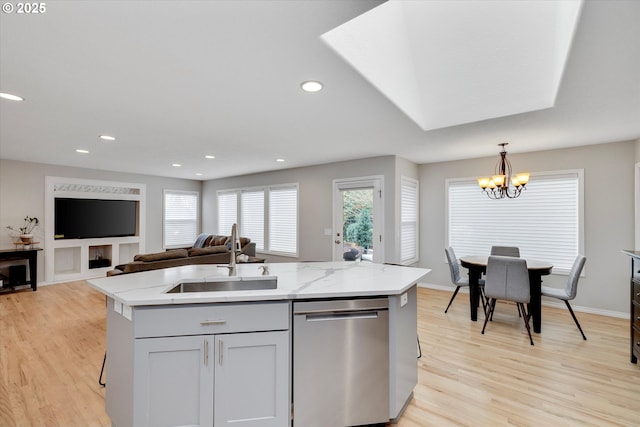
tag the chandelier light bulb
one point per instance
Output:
(503, 184)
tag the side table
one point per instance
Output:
(29, 253)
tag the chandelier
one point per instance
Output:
(502, 184)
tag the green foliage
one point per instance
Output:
(360, 232)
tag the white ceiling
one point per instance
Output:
(443, 78)
(177, 80)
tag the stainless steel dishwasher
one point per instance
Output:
(340, 362)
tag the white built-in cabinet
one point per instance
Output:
(199, 365)
(73, 259)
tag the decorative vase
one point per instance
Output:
(26, 238)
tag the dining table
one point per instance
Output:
(477, 266)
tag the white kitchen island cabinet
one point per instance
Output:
(173, 381)
(235, 371)
(225, 357)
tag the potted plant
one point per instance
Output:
(26, 231)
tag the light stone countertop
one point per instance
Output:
(303, 280)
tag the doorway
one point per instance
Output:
(357, 228)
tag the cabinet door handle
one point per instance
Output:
(213, 322)
(206, 352)
(220, 352)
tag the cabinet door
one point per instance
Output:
(252, 380)
(173, 383)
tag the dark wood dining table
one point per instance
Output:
(477, 266)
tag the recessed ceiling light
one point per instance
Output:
(11, 97)
(208, 156)
(198, 174)
(176, 165)
(82, 151)
(311, 86)
(108, 137)
(280, 160)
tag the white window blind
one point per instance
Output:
(180, 218)
(408, 220)
(283, 220)
(227, 212)
(266, 215)
(252, 217)
(544, 222)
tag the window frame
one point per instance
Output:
(196, 221)
(577, 173)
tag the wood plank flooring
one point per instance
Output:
(52, 344)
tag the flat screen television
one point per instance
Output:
(94, 218)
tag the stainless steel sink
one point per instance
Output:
(226, 284)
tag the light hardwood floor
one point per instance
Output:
(52, 344)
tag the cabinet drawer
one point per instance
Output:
(636, 292)
(198, 319)
(636, 342)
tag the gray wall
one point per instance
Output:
(22, 193)
(609, 209)
(609, 215)
(315, 201)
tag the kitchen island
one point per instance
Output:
(229, 357)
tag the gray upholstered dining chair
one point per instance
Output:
(507, 279)
(456, 277)
(570, 290)
(505, 251)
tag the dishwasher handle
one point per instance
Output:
(344, 315)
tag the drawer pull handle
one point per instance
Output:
(213, 322)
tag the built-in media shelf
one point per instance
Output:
(100, 256)
(74, 259)
(80, 258)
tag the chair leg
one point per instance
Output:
(491, 305)
(102, 383)
(483, 299)
(575, 319)
(525, 318)
(452, 298)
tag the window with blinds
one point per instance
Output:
(180, 218)
(252, 216)
(408, 220)
(545, 222)
(283, 220)
(227, 212)
(267, 215)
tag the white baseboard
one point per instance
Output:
(545, 302)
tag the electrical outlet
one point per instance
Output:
(404, 299)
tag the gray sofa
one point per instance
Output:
(208, 249)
